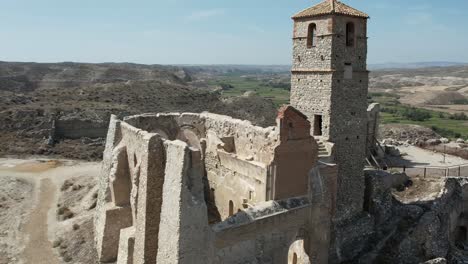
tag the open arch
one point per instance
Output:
(120, 178)
(350, 34)
(298, 250)
(161, 132)
(311, 35)
(190, 135)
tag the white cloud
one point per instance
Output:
(204, 14)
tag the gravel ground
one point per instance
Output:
(31, 194)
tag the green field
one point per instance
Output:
(239, 85)
(445, 124)
(392, 111)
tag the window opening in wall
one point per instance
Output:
(350, 34)
(311, 34)
(231, 208)
(294, 260)
(135, 161)
(318, 125)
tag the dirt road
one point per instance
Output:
(39, 247)
(30, 232)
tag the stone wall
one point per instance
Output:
(330, 84)
(373, 121)
(248, 238)
(318, 57)
(165, 175)
(241, 160)
(77, 128)
(311, 94)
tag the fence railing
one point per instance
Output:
(433, 171)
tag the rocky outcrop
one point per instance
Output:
(415, 224)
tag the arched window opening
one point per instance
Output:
(231, 208)
(350, 34)
(294, 261)
(311, 35)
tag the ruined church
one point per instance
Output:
(203, 188)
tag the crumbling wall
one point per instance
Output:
(235, 153)
(138, 155)
(77, 128)
(373, 120)
(184, 232)
(409, 229)
(255, 237)
(157, 182)
(236, 159)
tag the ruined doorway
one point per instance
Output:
(298, 250)
(318, 125)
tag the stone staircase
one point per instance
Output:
(322, 150)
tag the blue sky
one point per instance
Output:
(216, 31)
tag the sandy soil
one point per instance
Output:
(16, 201)
(422, 190)
(415, 156)
(39, 248)
(31, 190)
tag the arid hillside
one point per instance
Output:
(437, 88)
(62, 109)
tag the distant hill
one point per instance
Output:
(32, 95)
(414, 65)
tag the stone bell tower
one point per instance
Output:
(329, 85)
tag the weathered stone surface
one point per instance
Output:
(150, 186)
(120, 179)
(114, 219)
(126, 246)
(436, 261)
(335, 102)
(187, 240)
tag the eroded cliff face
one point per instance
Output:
(414, 220)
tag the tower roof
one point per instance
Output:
(328, 7)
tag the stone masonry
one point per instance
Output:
(204, 188)
(195, 191)
(329, 85)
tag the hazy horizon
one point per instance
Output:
(209, 32)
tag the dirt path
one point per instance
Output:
(39, 248)
(422, 157)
